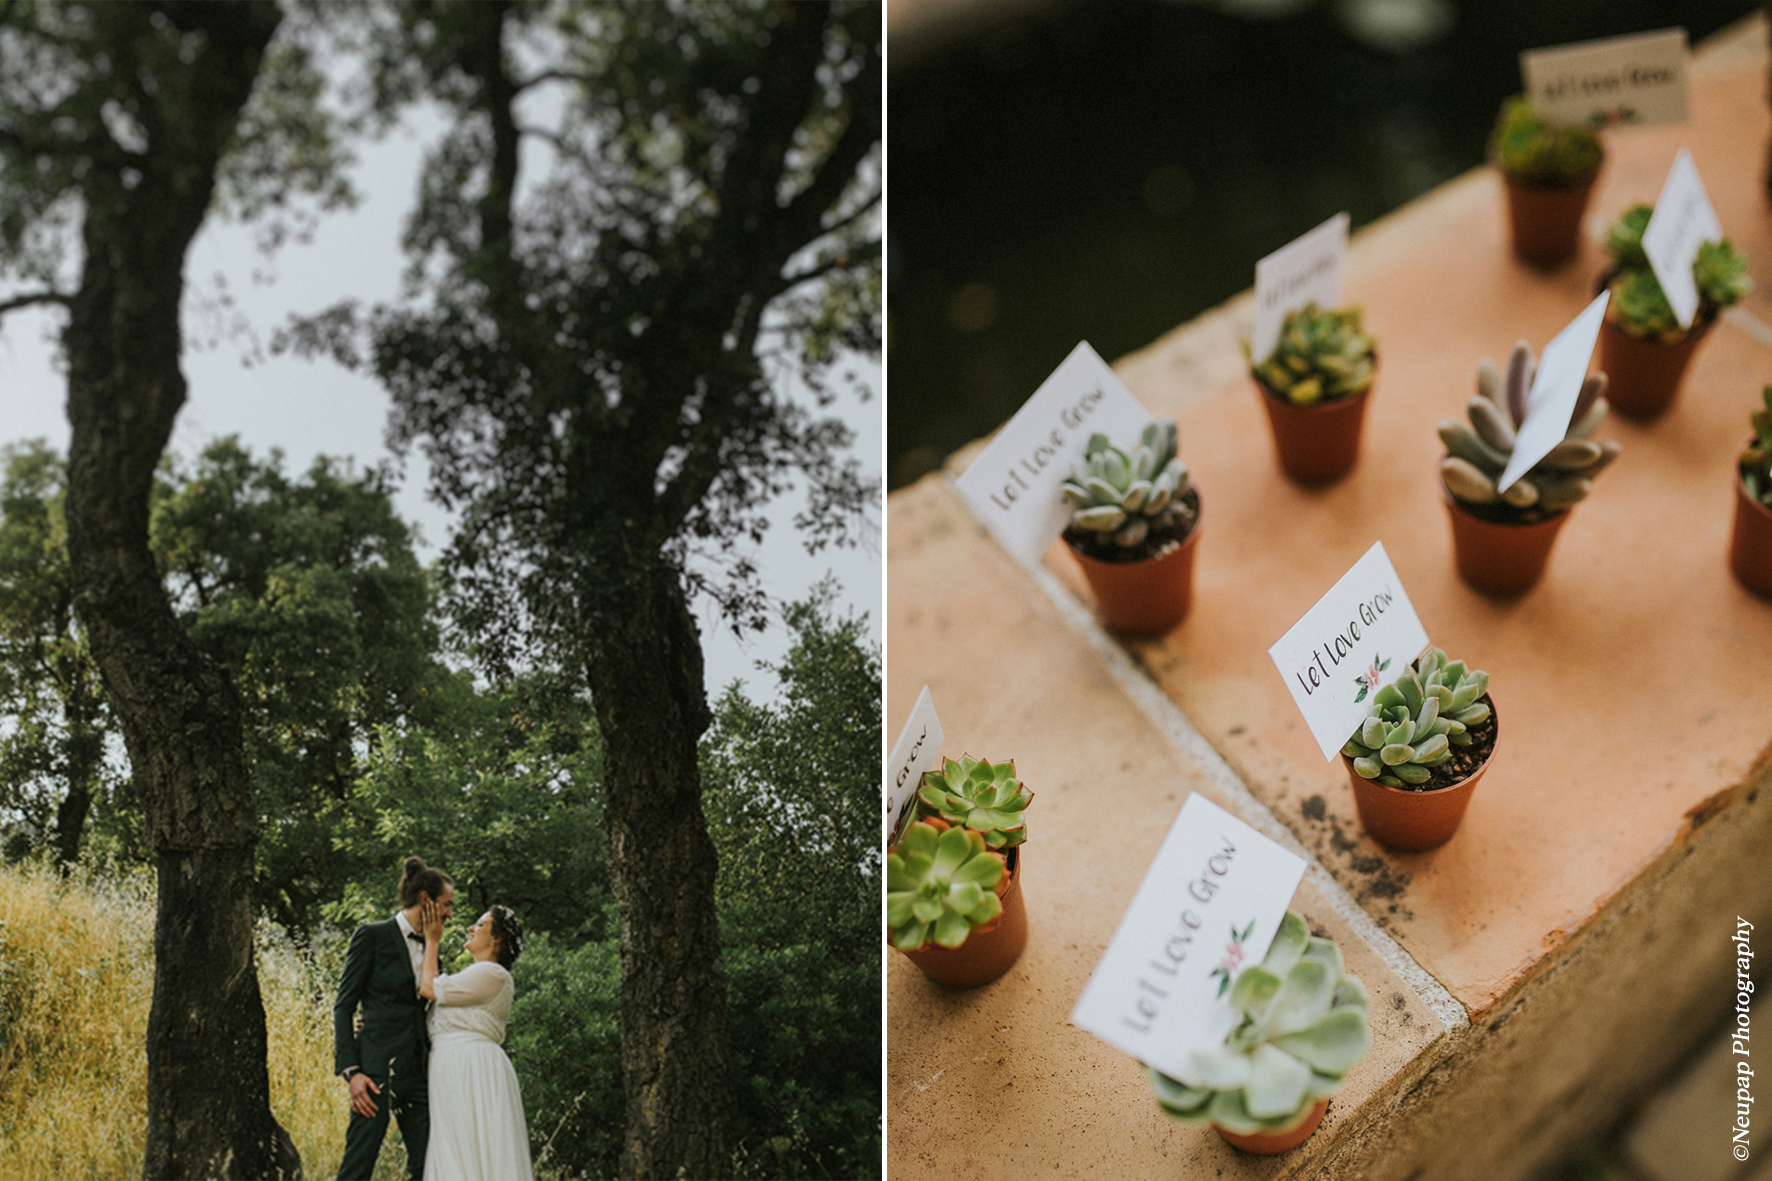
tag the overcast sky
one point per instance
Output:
(308, 408)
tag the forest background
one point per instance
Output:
(392, 703)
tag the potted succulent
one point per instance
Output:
(1313, 387)
(1549, 172)
(1303, 1026)
(1502, 539)
(953, 880)
(1135, 521)
(1417, 758)
(1642, 346)
(1750, 546)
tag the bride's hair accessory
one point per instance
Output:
(507, 929)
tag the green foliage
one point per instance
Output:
(1320, 355)
(1136, 499)
(1417, 719)
(784, 782)
(1303, 1026)
(307, 591)
(565, 1046)
(1640, 305)
(1477, 454)
(504, 791)
(941, 885)
(1539, 155)
(806, 1060)
(1756, 460)
(52, 750)
(982, 796)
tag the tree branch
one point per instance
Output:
(32, 299)
(865, 252)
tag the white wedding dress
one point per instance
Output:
(477, 1127)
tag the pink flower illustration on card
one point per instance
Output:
(1368, 681)
(1234, 955)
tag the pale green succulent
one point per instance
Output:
(1128, 497)
(941, 885)
(1478, 453)
(984, 797)
(1417, 719)
(1319, 355)
(1304, 1025)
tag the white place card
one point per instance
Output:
(1556, 387)
(1013, 484)
(917, 750)
(1637, 79)
(1208, 907)
(1305, 270)
(1682, 222)
(1357, 639)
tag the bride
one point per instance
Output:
(477, 1127)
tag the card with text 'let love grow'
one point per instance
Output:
(1636, 79)
(917, 750)
(1683, 221)
(1358, 638)
(1208, 907)
(1305, 270)
(1556, 387)
(1013, 484)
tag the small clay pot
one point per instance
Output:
(1413, 820)
(1750, 546)
(1546, 222)
(1148, 597)
(1499, 559)
(1644, 375)
(990, 950)
(1317, 443)
(1269, 1143)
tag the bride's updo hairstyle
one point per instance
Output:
(507, 929)
(419, 878)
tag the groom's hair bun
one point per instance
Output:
(418, 878)
(507, 929)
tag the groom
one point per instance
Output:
(385, 1062)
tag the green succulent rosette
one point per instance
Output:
(1417, 719)
(1302, 1026)
(982, 796)
(941, 885)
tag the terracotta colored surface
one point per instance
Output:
(1107, 786)
(1633, 673)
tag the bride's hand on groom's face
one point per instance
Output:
(432, 919)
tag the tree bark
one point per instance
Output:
(208, 1086)
(646, 683)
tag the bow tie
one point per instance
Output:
(417, 938)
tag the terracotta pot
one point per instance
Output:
(1269, 1143)
(1546, 222)
(1316, 443)
(1149, 597)
(1499, 559)
(1750, 547)
(1644, 375)
(1413, 820)
(989, 951)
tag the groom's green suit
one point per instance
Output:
(391, 1049)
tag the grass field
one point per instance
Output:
(76, 979)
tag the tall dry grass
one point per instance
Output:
(76, 980)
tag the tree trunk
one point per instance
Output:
(646, 682)
(208, 1086)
